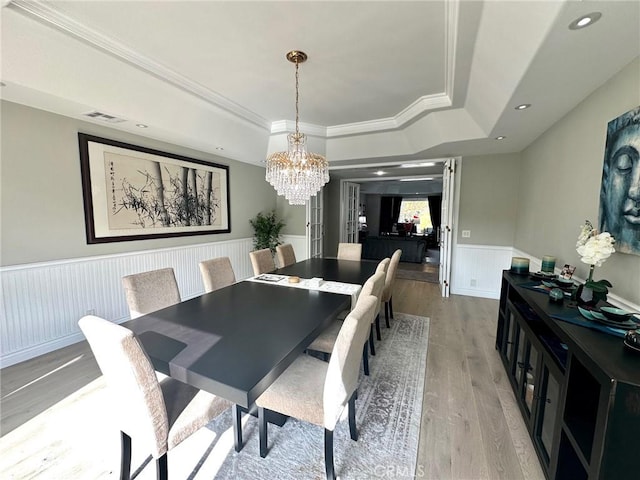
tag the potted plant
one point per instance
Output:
(266, 229)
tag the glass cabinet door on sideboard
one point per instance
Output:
(577, 389)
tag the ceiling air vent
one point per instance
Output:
(105, 117)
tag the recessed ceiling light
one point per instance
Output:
(141, 125)
(523, 106)
(585, 21)
(501, 137)
(220, 148)
(380, 172)
(416, 179)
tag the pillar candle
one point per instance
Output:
(520, 265)
(548, 264)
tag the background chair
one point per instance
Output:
(158, 415)
(262, 261)
(317, 392)
(286, 255)
(383, 266)
(325, 342)
(349, 251)
(150, 291)
(387, 293)
(217, 273)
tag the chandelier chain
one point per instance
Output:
(297, 96)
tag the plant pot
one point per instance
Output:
(585, 296)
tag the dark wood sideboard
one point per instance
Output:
(578, 389)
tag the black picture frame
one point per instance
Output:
(138, 193)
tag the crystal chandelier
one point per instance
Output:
(297, 174)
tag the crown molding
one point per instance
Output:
(287, 126)
(58, 19)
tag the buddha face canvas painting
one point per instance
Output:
(620, 188)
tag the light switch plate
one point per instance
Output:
(466, 233)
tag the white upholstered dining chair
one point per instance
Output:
(286, 255)
(383, 266)
(317, 392)
(216, 273)
(325, 342)
(262, 261)
(387, 293)
(157, 415)
(150, 291)
(349, 251)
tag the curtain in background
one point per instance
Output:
(435, 209)
(389, 211)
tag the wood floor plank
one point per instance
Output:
(469, 461)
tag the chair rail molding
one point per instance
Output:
(42, 302)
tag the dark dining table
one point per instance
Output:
(332, 269)
(234, 342)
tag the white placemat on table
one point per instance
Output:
(311, 284)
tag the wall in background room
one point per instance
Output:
(560, 183)
(489, 199)
(331, 218)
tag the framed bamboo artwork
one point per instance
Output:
(137, 193)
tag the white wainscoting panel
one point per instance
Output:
(299, 243)
(42, 302)
(477, 269)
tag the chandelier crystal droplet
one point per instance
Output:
(297, 174)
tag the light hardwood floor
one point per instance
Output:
(471, 427)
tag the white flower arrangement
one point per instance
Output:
(594, 248)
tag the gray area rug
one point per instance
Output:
(388, 409)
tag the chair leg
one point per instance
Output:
(125, 458)
(237, 427)
(391, 308)
(162, 471)
(386, 313)
(262, 431)
(378, 327)
(365, 358)
(352, 417)
(372, 346)
(328, 454)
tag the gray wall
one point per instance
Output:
(294, 216)
(42, 215)
(560, 183)
(489, 199)
(331, 218)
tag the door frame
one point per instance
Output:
(448, 254)
(318, 199)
